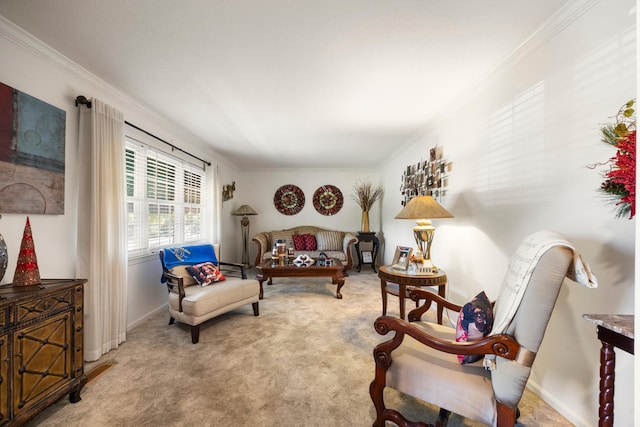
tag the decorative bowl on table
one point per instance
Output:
(303, 260)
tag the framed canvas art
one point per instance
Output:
(32, 154)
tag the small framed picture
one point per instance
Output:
(366, 256)
(401, 257)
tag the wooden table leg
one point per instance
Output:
(383, 285)
(402, 295)
(442, 291)
(607, 379)
(340, 281)
(260, 278)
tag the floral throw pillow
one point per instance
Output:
(474, 323)
(205, 273)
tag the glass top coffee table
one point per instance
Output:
(267, 271)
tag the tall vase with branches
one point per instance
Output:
(366, 195)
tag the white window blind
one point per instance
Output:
(165, 206)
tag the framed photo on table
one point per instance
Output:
(401, 258)
(367, 257)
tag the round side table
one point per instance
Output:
(403, 280)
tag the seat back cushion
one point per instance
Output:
(181, 270)
(285, 235)
(329, 240)
(530, 322)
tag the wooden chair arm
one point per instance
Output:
(418, 294)
(176, 284)
(502, 345)
(232, 269)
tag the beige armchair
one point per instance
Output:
(421, 358)
(193, 304)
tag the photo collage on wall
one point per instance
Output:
(426, 178)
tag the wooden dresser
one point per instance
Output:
(41, 347)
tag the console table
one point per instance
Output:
(366, 236)
(41, 347)
(614, 330)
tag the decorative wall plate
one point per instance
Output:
(328, 200)
(289, 199)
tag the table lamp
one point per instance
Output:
(421, 208)
(244, 211)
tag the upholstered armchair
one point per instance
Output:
(421, 359)
(194, 301)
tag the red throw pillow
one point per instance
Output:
(310, 242)
(474, 323)
(205, 273)
(299, 242)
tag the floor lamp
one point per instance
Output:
(244, 211)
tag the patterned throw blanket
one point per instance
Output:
(188, 255)
(521, 267)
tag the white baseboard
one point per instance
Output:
(146, 316)
(556, 404)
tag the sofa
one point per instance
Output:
(193, 303)
(337, 245)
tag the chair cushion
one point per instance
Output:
(329, 240)
(438, 378)
(205, 273)
(200, 301)
(474, 323)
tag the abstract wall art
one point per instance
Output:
(32, 150)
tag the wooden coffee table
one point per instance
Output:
(268, 271)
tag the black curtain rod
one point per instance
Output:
(81, 100)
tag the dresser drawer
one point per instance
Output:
(44, 306)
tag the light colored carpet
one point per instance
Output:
(305, 361)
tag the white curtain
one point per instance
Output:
(217, 205)
(102, 238)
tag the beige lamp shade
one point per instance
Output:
(244, 210)
(422, 208)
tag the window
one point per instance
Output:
(165, 206)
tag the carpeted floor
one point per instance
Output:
(305, 361)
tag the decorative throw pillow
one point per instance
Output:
(329, 240)
(474, 323)
(299, 242)
(205, 273)
(286, 236)
(310, 243)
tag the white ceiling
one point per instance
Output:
(289, 83)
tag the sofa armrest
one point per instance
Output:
(349, 240)
(262, 241)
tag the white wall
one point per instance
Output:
(34, 68)
(573, 82)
